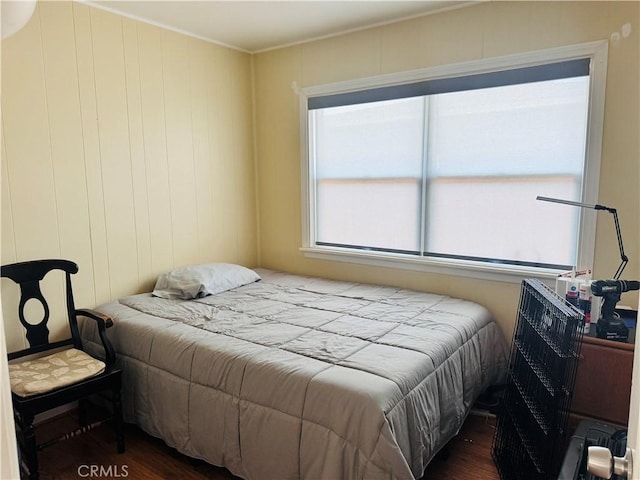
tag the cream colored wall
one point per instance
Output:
(126, 148)
(129, 148)
(487, 30)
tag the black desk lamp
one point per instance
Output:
(609, 325)
(613, 211)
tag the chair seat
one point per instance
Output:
(32, 377)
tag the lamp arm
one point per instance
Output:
(623, 257)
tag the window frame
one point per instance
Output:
(596, 51)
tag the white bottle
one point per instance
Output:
(584, 303)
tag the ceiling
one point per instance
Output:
(254, 26)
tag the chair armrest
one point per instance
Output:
(103, 322)
(97, 316)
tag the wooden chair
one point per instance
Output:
(61, 376)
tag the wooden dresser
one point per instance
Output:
(603, 380)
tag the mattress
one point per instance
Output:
(304, 378)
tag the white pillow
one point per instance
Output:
(198, 281)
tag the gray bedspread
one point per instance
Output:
(303, 378)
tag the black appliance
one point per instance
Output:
(591, 433)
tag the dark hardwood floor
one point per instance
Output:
(468, 456)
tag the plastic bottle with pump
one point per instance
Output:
(573, 294)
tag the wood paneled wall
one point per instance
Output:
(126, 148)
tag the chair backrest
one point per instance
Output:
(28, 276)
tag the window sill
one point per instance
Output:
(461, 268)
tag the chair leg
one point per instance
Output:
(30, 452)
(117, 418)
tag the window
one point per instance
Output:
(446, 168)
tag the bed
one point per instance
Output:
(295, 377)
